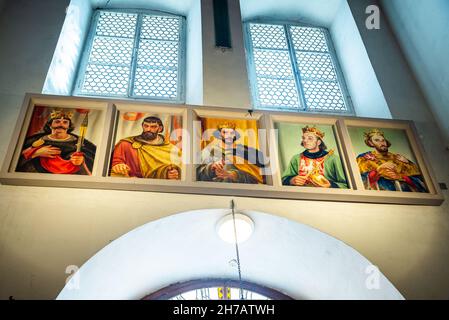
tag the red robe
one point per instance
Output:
(125, 153)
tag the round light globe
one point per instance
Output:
(243, 225)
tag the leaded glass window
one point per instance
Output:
(294, 67)
(219, 293)
(134, 55)
(216, 289)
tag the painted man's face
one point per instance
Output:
(310, 141)
(150, 130)
(227, 135)
(379, 143)
(60, 125)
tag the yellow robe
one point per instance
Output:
(367, 164)
(214, 152)
(155, 160)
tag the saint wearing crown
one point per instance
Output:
(56, 149)
(315, 166)
(224, 160)
(384, 170)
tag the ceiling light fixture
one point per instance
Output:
(244, 227)
(235, 228)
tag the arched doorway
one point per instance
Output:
(291, 258)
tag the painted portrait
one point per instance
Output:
(385, 160)
(230, 152)
(60, 141)
(309, 156)
(147, 146)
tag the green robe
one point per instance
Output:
(333, 170)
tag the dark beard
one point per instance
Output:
(148, 136)
(382, 150)
(59, 127)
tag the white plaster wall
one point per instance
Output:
(174, 6)
(62, 73)
(366, 95)
(422, 28)
(194, 71)
(44, 230)
(317, 12)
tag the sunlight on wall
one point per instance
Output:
(194, 60)
(420, 28)
(366, 94)
(62, 72)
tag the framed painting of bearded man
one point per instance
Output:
(309, 155)
(386, 159)
(61, 140)
(148, 144)
(230, 151)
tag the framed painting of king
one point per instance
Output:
(309, 156)
(147, 145)
(230, 151)
(60, 140)
(385, 160)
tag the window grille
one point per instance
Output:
(134, 55)
(294, 67)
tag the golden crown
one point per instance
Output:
(226, 125)
(58, 114)
(373, 132)
(313, 130)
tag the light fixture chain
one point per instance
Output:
(237, 250)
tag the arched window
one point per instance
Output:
(216, 289)
(134, 54)
(294, 67)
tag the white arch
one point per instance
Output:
(295, 259)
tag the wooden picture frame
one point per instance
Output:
(233, 118)
(31, 101)
(120, 107)
(433, 196)
(273, 188)
(335, 125)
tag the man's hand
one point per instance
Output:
(321, 182)
(77, 159)
(47, 152)
(387, 166)
(298, 180)
(121, 168)
(226, 175)
(388, 171)
(173, 174)
(217, 166)
(401, 158)
(390, 174)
